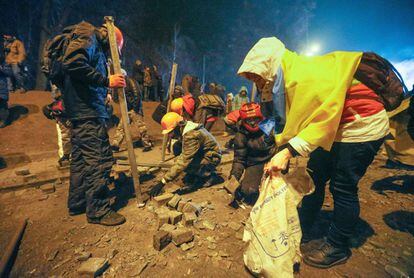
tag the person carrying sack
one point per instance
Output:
(328, 111)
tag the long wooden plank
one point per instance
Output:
(170, 92)
(124, 110)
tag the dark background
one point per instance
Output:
(160, 31)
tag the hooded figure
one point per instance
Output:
(322, 109)
(241, 98)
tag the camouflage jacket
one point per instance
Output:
(198, 144)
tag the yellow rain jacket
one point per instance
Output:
(315, 88)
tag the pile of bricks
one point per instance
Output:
(176, 215)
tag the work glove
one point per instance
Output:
(157, 189)
(117, 81)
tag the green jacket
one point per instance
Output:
(198, 144)
(239, 100)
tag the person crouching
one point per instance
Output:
(252, 150)
(199, 157)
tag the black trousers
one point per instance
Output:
(4, 110)
(90, 168)
(252, 179)
(344, 166)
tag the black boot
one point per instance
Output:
(146, 149)
(213, 179)
(74, 212)
(326, 254)
(111, 218)
(64, 160)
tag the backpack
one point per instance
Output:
(52, 56)
(380, 75)
(160, 111)
(213, 102)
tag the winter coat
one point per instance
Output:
(15, 52)
(147, 78)
(198, 143)
(239, 100)
(251, 149)
(138, 73)
(133, 96)
(84, 63)
(5, 71)
(315, 88)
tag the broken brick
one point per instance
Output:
(22, 172)
(30, 177)
(93, 267)
(192, 207)
(173, 203)
(181, 205)
(168, 228)
(209, 225)
(161, 239)
(189, 218)
(182, 235)
(163, 199)
(48, 188)
(163, 218)
(175, 217)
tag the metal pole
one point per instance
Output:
(7, 258)
(170, 92)
(204, 69)
(124, 110)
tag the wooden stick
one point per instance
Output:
(170, 92)
(254, 92)
(124, 110)
(6, 262)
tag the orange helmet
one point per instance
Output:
(177, 105)
(189, 104)
(170, 121)
(119, 39)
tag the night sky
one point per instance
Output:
(224, 30)
(385, 27)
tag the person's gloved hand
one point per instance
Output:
(117, 81)
(156, 189)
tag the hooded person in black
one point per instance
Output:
(252, 150)
(84, 95)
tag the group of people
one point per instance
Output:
(316, 107)
(12, 57)
(150, 80)
(328, 108)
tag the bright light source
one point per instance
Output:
(315, 48)
(312, 49)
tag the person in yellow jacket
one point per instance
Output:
(324, 112)
(15, 56)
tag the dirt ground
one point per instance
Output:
(382, 245)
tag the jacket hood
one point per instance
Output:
(263, 59)
(243, 88)
(190, 126)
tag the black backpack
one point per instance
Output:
(378, 74)
(52, 56)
